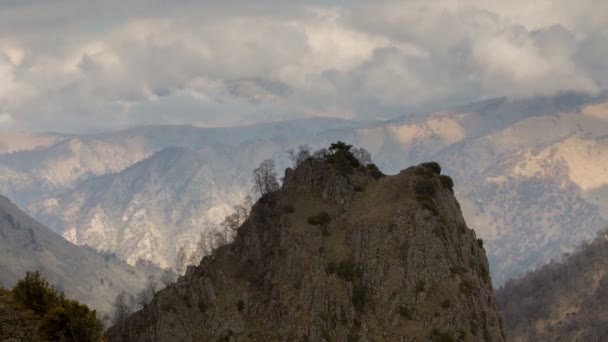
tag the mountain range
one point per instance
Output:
(530, 175)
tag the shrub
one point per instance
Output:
(374, 171)
(359, 297)
(480, 243)
(240, 305)
(321, 218)
(72, 321)
(441, 336)
(446, 304)
(405, 312)
(433, 166)
(359, 188)
(346, 270)
(62, 319)
(331, 267)
(447, 182)
(35, 292)
(289, 208)
(425, 186)
(419, 286)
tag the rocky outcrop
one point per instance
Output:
(336, 256)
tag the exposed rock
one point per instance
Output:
(395, 263)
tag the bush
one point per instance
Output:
(62, 319)
(289, 208)
(433, 166)
(419, 286)
(447, 182)
(446, 304)
(480, 243)
(72, 321)
(240, 305)
(321, 218)
(346, 270)
(425, 186)
(441, 336)
(374, 171)
(35, 292)
(405, 312)
(331, 267)
(359, 297)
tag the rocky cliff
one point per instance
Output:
(336, 255)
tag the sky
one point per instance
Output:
(86, 66)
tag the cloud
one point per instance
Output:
(82, 66)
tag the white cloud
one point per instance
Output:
(82, 66)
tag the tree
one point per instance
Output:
(265, 178)
(300, 156)
(145, 296)
(121, 310)
(36, 293)
(362, 155)
(168, 277)
(231, 224)
(180, 260)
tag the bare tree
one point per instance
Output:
(321, 153)
(121, 308)
(300, 156)
(265, 178)
(231, 224)
(145, 296)
(180, 260)
(362, 155)
(167, 278)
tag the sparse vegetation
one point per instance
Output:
(346, 270)
(434, 167)
(447, 182)
(289, 208)
(322, 218)
(441, 336)
(62, 319)
(359, 296)
(405, 312)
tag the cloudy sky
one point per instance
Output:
(81, 66)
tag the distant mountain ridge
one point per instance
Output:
(505, 170)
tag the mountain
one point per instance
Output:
(521, 190)
(149, 209)
(561, 301)
(339, 253)
(95, 279)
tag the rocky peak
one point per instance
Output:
(338, 254)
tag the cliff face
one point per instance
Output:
(336, 257)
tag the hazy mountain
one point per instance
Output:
(392, 260)
(525, 170)
(562, 301)
(95, 279)
(166, 201)
(35, 174)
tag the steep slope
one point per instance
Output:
(565, 301)
(152, 208)
(336, 255)
(26, 245)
